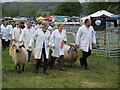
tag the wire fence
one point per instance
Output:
(107, 41)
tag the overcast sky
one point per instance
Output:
(51, 0)
(37, 0)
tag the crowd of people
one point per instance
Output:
(39, 38)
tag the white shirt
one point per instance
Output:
(40, 37)
(56, 40)
(85, 37)
(16, 33)
(26, 35)
(5, 32)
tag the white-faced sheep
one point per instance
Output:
(19, 55)
(71, 54)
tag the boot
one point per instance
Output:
(86, 65)
(81, 62)
(45, 66)
(37, 65)
(62, 65)
(51, 63)
(29, 55)
(44, 72)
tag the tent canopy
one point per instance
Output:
(98, 14)
(74, 18)
(40, 18)
(115, 17)
(31, 18)
(59, 18)
(48, 18)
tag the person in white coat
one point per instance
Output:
(84, 39)
(16, 32)
(42, 44)
(25, 37)
(5, 30)
(10, 27)
(58, 39)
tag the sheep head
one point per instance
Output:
(17, 46)
(73, 47)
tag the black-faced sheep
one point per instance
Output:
(19, 55)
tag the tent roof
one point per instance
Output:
(98, 14)
(40, 18)
(115, 17)
(31, 18)
(48, 18)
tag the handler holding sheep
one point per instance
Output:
(16, 32)
(41, 36)
(58, 39)
(84, 39)
(26, 35)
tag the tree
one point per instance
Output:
(112, 7)
(31, 12)
(26, 8)
(68, 9)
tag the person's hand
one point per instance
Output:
(14, 40)
(94, 45)
(29, 47)
(53, 47)
(77, 46)
(49, 46)
(20, 41)
(64, 41)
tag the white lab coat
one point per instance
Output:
(56, 40)
(16, 33)
(40, 37)
(26, 35)
(84, 38)
(11, 30)
(5, 32)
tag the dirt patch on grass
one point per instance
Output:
(73, 74)
(93, 84)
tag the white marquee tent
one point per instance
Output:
(97, 14)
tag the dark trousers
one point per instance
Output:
(29, 54)
(5, 44)
(45, 60)
(84, 57)
(52, 61)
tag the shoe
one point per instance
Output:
(81, 63)
(37, 66)
(62, 65)
(87, 68)
(36, 71)
(45, 73)
(62, 69)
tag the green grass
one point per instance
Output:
(103, 73)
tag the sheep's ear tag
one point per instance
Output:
(13, 53)
(68, 50)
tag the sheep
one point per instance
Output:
(19, 55)
(69, 57)
(71, 54)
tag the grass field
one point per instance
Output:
(103, 73)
